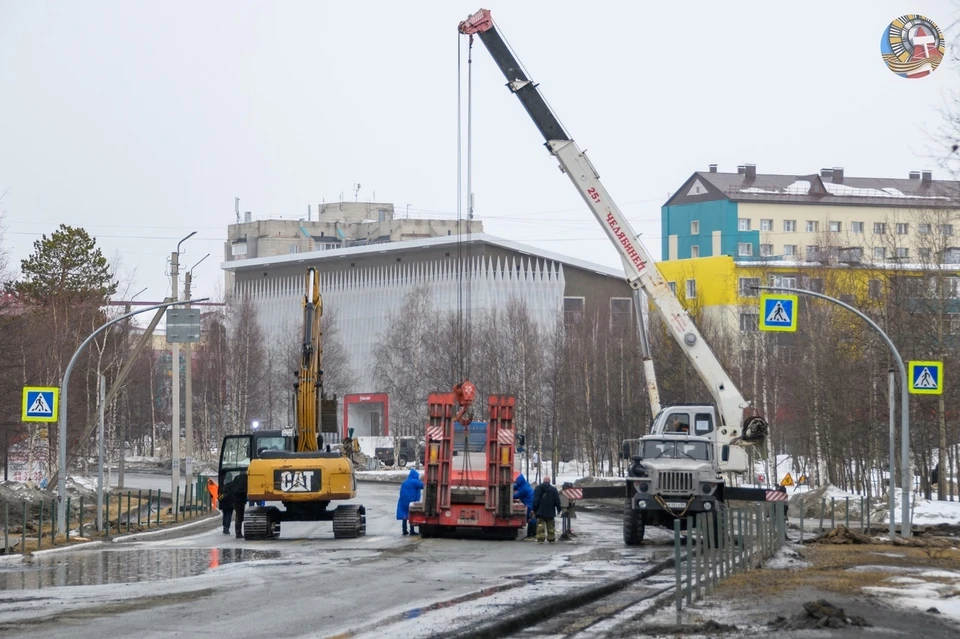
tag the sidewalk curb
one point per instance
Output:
(84, 545)
(512, 623)
(137, 535)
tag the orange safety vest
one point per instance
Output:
(213, 490)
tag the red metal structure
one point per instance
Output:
(479, 499)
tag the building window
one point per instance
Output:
(381, 215)
(923, 229)
(766, 225)
(673, 287)
(856, 227)
(790, 226)
(621, 308)
(749, 322)
(850, 254)
(813, 226)
(879, 253)
(745, 249)
(847, 298)
(789, 250)
(951, 256)
(812, 253)
(835, 227)
(880, 228)
(790, 281)
(766, 250)
(695, 250)
(294, 248)
(923, 253)
(572, 310)
(946, 229)
(239, 248)
(743, 224)
(951, 288)
(875, 289)
(691, 289)
(902, 228)
(816, 284)
(747, 284)
(903, 251)
(695, 227)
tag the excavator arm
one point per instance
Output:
(309, 378)
(739, 422)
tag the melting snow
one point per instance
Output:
(922, 594)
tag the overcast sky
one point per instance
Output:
(142, 121)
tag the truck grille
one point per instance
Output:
(673, 481)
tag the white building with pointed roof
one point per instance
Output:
(364, 285)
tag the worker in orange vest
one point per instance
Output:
(212, 489)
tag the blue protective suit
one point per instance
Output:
(523, 491)
(409, 493)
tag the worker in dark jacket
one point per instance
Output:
(546, 505)
(409, 493)
(523, 491)
(226, 507)
(236, 492)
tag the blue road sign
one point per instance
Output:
(778, 313)
(40, 403)
(926, 378)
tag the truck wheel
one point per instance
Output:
(402, 461)
(633, 525)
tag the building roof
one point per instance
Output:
(409, 246)
(829, 187)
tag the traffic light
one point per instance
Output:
(521, 440)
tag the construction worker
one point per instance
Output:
(236, 492)
(409, 493)
(546, 505)
(226, 507)
(523, 491)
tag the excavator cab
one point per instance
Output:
(235, 451)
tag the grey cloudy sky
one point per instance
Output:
(142, 121)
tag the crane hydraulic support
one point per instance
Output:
(476, 500)
(739, 422)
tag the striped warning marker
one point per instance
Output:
(776, 495)
(505, 437)
(435, 433)
(573, 494)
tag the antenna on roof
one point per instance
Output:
(356, 190)
(236, 208)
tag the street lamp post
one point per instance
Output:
(188, 381)
(62, 426)
(905, 479)
(175, 377)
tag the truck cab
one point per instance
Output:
(410, 450)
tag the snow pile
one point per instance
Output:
(928, 512)
(926, 590)
(787, 558)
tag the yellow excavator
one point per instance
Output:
(290, 467)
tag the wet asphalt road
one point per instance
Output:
(306, 584)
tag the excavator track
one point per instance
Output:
(260, 523)
(349, 521)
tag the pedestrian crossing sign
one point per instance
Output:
(926, 378)
(40, 403)
(778, 313)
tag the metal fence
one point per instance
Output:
(122, 513)
(831, 511)
(724, 543)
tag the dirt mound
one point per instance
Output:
(708, 628)
(818, 614)
(843, 535)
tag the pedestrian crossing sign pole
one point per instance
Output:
(926, 378)
(40, 403)
(778, 313)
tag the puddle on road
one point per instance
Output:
(122, 566)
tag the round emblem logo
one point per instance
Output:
(912, 46)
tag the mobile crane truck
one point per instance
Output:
(673, 472)
(291, 468)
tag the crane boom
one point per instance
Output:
(640, 269)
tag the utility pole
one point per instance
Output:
(188, 382)
(100, 451)
(175, 377)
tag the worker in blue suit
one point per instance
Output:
(409, 493)
(523, 491)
